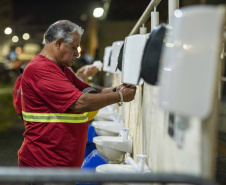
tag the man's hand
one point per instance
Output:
(128, 92)
(124, 85)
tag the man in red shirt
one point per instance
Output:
(54, 108)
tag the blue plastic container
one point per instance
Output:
(91, 134)
(90, 146)
(93, 160)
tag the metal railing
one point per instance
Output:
(145, 16)
(15, 175)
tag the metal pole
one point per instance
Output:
(39, 175)
(145, 16)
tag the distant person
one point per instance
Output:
(54, 108)
(17, 93)
(87, 71)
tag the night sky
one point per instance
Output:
(48, 11)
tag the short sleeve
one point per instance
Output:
(56, 89)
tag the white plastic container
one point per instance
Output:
(132, 57)
(190, 60)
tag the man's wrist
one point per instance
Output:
(114, 89)
(121, 98)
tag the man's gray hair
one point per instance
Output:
(62, 29)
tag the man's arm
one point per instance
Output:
(103, 90)
(90, 102)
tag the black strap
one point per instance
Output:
(114, 89)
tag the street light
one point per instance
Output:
(15, 39)
(26, 36)
(98, 12)
(8, 31)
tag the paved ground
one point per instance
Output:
(5, 90)
(10, 142)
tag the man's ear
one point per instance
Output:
(58, 43)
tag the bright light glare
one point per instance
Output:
(8, 31)
(167, 69)
(168, 44)
(79, 49)
(26, 36)
(186, 46)
(98, 12)
(15, 39)
(178, 13)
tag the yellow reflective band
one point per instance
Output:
(55, 117)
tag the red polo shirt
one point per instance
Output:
(48, 92)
